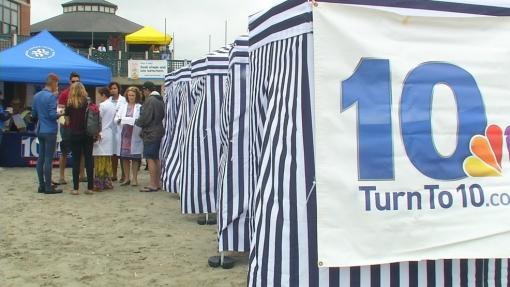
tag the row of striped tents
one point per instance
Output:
(177, 115)
(201, 150)
(283, 247)
(233, 192)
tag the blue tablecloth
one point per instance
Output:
(22, 150)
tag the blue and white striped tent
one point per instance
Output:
(168, 120)
(199, 178)
(284, 239)
(233, 193)
(177, 117)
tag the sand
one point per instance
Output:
(115, 238)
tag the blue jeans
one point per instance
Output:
(1, 134)
(47, 144)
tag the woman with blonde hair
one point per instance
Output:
(80, 142)
(103, 147)
(131, 146)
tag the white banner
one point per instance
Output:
(411, 120)
(147, 69)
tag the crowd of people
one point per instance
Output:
(125, 131)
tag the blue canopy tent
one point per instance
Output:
(32, 60)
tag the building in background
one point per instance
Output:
(89, 23)
(15, 17)
(14, 28)
(94, 30)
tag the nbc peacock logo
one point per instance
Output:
(486, 153)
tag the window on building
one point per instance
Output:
(101, 8)
(73, 8)
(81, 8)
(95, 8)
(7, 16)
(88, 8)
(5, 28)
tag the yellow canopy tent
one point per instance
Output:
(148, 36)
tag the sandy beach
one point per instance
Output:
(115, 238)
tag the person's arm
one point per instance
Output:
(145, 115)
(118, 114)
(52, 108)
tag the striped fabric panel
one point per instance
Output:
(201, 151)
(283, 248)
(282, 252)
(167, 121)
(171, 164)
(233, 229)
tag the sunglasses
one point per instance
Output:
(77, 81)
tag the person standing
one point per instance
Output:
(103, 147)
(81, 143)
(151, 122)
(101, 48)
(65, 146)
(44, 109)
(117, 99)
(131, 146)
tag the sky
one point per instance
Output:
(191, 21)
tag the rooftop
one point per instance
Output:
(95, 22)
(89, 2)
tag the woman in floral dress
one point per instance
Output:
(131, 146)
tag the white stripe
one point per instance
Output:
(456, 272)
(422, 274)
(365, 276)
(504, 272)
(345, 277)
(471, 273)
(385, 275)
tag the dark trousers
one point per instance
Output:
(47, 144)
(82, 145)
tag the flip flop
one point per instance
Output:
(125, 183)
(149, 189)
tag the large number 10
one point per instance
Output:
(370, 88)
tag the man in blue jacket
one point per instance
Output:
(44, 109)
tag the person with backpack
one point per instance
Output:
(81, 141)
(131, 145)
(103, 146)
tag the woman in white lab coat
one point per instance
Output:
(128, 135)
(103, 147)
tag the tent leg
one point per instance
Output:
(207, 219)
(226, 262)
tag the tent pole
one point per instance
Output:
(226, 29)
(209, 43)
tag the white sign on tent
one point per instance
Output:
(411, 115)
(147, 69)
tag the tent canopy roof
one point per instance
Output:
(32, 61)
(148, 35)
